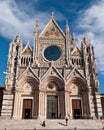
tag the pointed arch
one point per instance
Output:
(78, 91)
(78, 81)
(28, 80)
(53, 83)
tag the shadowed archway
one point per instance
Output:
(55, 97)
(78, 98)
(27, 98)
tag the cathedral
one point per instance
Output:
(53, 80)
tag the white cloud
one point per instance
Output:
(13, 20)
(91, 23)
(10, 25)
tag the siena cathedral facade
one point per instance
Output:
(52, 80)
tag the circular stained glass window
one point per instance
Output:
(52, 53)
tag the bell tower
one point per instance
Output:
(13, 61)
(91, 76)
(15, 50)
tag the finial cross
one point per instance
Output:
(52, 15)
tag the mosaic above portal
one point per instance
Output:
(52, 31)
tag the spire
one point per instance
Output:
(73, 37)
(36, 30)
(66, 22)
(36, 39)
(73, 41)
(18, 38)
(85, 40)
(28, 42)
(67, 27)
(52, 15)
(67, 45)
(18, 35)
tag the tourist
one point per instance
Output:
(66, 119)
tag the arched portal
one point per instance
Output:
(54, 97)
(26, 102)
(77, 95)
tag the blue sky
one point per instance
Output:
(86, 18)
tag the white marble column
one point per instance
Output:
(67, 103)
(16, 106)
(42, 106)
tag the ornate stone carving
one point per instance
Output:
(52, 32)
(65, 80)
(27, 88)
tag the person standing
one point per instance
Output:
(66, 119)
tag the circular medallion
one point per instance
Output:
(52, 53)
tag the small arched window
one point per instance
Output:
(87, 50)
(21, 60)
(72, 61)
(24, 60)
(77, 62)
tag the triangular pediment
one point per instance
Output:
(27, 50)
(76, 51)
(52, 71)
(28, 72)
(75, 73)
(52, 31)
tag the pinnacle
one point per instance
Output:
(66, 22)
(18, 34)
(73, 36)
(52, 15)
(28, 42)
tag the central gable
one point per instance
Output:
(52, 31)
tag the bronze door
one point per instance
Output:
(76, 106)
(27, 109)
(52, 107)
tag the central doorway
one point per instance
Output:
(52, 106)
(76, 106)
(27, 109)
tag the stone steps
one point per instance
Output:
(51, 124)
